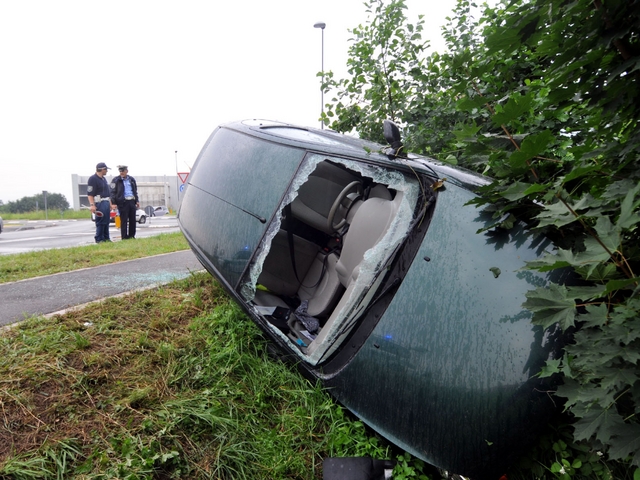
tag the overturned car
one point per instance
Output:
(364, 265)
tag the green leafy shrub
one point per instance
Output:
(543, 97)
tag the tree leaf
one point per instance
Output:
(618, 377)
(556, 214)
(585, 293)
(623, 284)
(601, 273)
(508, 39)
(535, 188)
(551, 261)
(536, 144)
(626, 442)
(466, 133)
(607, 233)
(550, 306)
(587, 426)
(552, 367)
(581, 171)
(594, 254)
(587, 202)
(470, 103)
(628, 218)
(612, 425)
(571, 390)
(518, 162)
(619, 190)
(596, 316)
(516, 191)
(516, 106)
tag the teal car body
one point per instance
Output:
(423, 335)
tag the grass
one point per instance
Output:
(168, 383)
(33, 264)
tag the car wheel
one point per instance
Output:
(142, 219)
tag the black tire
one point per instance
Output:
(142, 220)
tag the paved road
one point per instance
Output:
(52, 293)
(20, 236)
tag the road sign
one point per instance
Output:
(183, 176)
(182, 187)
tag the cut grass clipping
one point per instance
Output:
(168, 383)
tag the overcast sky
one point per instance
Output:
(132, 81)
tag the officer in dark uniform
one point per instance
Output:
(124, 194)
(99, 201)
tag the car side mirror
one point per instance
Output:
(392, 135)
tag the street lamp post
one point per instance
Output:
(177, 186)
(321, 26)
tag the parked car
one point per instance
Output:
(160, 210)
(364, 267)
(1, 224)
(141, 216)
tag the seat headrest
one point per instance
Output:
(369, 225)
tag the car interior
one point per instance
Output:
(328, 251)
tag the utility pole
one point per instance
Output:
(46, 213)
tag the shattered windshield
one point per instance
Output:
(405, 191)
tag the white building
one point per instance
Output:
(152, 190)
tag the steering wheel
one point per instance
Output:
(355, 186)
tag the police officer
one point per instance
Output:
(99, 201)
(124, 194)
